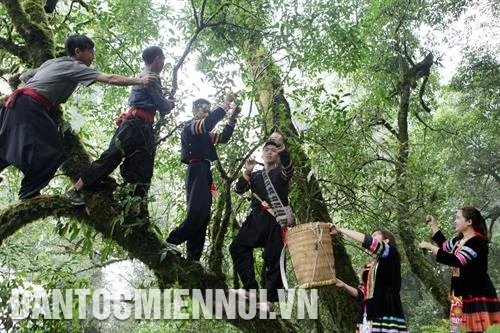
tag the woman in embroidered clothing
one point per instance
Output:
(381, 309)
(474, 302)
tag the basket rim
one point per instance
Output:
(313, 284)
(306, 226)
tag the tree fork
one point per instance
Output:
(417, 263)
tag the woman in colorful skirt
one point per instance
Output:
(474, 302)
(381, 309)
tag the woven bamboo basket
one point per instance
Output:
(310, 247)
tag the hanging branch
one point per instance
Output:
(200, 26)
(422, 70)
(175, 70)
(83, 4)
(181, 60)
(421, 93)
(169, 134)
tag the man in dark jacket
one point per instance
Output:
(198, 152)
(263, 228)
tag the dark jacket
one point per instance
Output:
(471, 261)
(197, 141)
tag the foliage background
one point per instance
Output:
(340, 67)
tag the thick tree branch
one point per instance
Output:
(32, 24)
(418, 264)
(14, 49)
(195, 14)
(141, 243)
(19, 17)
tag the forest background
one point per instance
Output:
(390, 109)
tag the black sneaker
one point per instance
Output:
(74, 197)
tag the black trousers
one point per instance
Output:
(30, 141)
(199, 201)
(259, 230)
(133, 143)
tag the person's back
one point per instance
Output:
(58, 78)
(132, 145)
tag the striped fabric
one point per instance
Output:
(383, 325)
(215, 138)
(480, 313)
(198, 127)
(477, 312)
(380, 249)
(465, 254)
(381, 302)
(448, 245)
(370, 283)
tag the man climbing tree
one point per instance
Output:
(29, 138)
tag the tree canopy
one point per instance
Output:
(376, 135)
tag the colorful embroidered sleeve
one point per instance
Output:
(380, 249)
(445, 244)
(468, 252)
(207, 125)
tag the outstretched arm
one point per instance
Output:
(354, 292)
(227, 132)
(438, 238)
(379, 248)
(468, 252)
(355, 235)
(206, 125)
(119, 80)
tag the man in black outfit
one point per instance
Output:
(198, 152)
(261, 228)
(133, 141)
